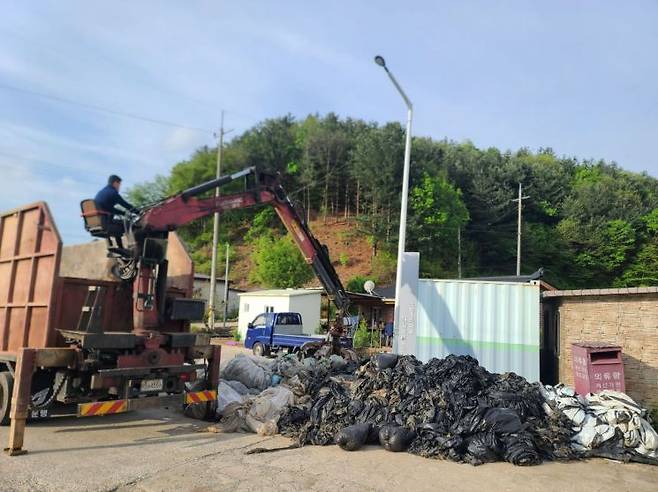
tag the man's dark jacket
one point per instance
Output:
(108, 198)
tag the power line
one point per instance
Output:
(40, 161)
(102, 109)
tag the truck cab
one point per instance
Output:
(271, 332)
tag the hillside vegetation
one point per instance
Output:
(588, 223)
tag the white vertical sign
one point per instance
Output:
(404, 336)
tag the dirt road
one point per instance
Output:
(162, 450)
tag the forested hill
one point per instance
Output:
(588, 223)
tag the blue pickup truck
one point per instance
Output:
(271, 332)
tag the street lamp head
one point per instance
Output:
(379, 60)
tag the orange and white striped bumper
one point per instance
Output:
(102, 408)
(200, 396)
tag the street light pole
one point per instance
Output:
(405, 192)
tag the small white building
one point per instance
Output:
(202, 291)
(303, 301)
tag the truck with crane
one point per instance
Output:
(88, 347)
(148, 233)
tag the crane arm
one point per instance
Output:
(185, 207)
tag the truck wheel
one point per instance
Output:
(6, 389)
(260, 350)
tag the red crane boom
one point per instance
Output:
(147, 236)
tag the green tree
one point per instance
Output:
(355, 284)
(149, 192)
(279, 264)
(603, 255)
(588, 223)
(377, 165)
(438, 212)
(643, 270)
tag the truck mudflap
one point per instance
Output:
(120, 406)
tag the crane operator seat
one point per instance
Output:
(95, 220)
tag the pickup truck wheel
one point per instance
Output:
(260, 350)
(6, 389)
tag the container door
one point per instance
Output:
(30, 249)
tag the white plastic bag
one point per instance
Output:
(241, 388)
(226, 395)
(266, 409)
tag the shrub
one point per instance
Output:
(344, 259)
(383, 267)
(279, 264)
(355, 284)
(361, 336)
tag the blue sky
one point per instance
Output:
(578, 76)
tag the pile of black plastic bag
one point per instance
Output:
(448, 408)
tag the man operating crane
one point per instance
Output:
(107, 200)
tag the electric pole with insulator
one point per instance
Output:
(518, 229)
(215, 232)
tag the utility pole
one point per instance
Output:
(226, 290)
(518, 229)
(215, 233)
(459, 252)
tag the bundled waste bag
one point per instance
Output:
(353, 437)
(520, 450)
(249, 370)
(395, 438)
(234, 418)
(385, 361)
(266, 409)
(226, 395)
(449, 408)
(609, 424)
(453, 408)
(241, 388)
(501, 421)
(483, 447)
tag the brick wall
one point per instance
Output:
(630, 321)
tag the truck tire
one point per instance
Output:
(260, 350)
(6, 389)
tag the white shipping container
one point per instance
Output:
(498, 323)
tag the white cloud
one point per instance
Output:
(183, 139)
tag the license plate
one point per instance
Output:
(152, 385)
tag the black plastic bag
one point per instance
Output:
(395, 437)
(502, 420)
(385, 361)
(520, 450)
(456, 408)
(483, 448)
(353, 437)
